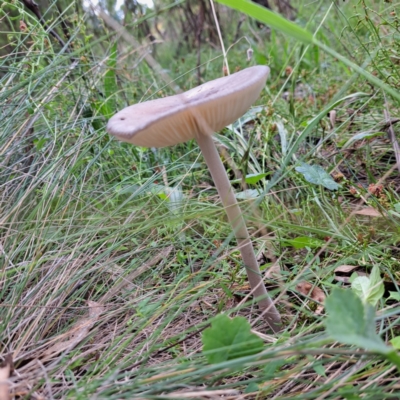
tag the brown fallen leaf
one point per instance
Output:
(369, 212)
(346, 279)
(6, 369)
(346, 269)
(344, 272)
(317, 294)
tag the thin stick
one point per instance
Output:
(236, 219)
(220, 36)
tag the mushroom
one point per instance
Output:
(197, 114)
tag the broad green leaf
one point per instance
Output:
(305, 241)
(228, 339)
(369, 290)
(351, 322)
(317, 175)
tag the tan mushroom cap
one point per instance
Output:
(203, 110)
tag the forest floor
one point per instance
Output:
(115, 260)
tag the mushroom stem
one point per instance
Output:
(237, 222)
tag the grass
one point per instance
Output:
(108, 280)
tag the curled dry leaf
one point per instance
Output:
(317, 294)
(346, 269)
(369, 211)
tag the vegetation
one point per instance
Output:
(117, 262)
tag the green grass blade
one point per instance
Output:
(276, 21)
(270, 18)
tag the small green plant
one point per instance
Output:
(229, 338)
(350, 321)
(317, 175)
(369, 289)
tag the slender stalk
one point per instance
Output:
(237, 222)
(220, 36)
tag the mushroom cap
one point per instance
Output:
(203, 110)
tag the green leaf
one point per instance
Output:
(251, 388)
(305, 241)
(228, 339)
(254, 178)
(369, 290)
(396, 342)
(394, 296)
(319, 369)
(377, 288)
(163, 196)
(39, 143)
(351, 322)
(360, 286)
(270, 18)
(317, 175)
